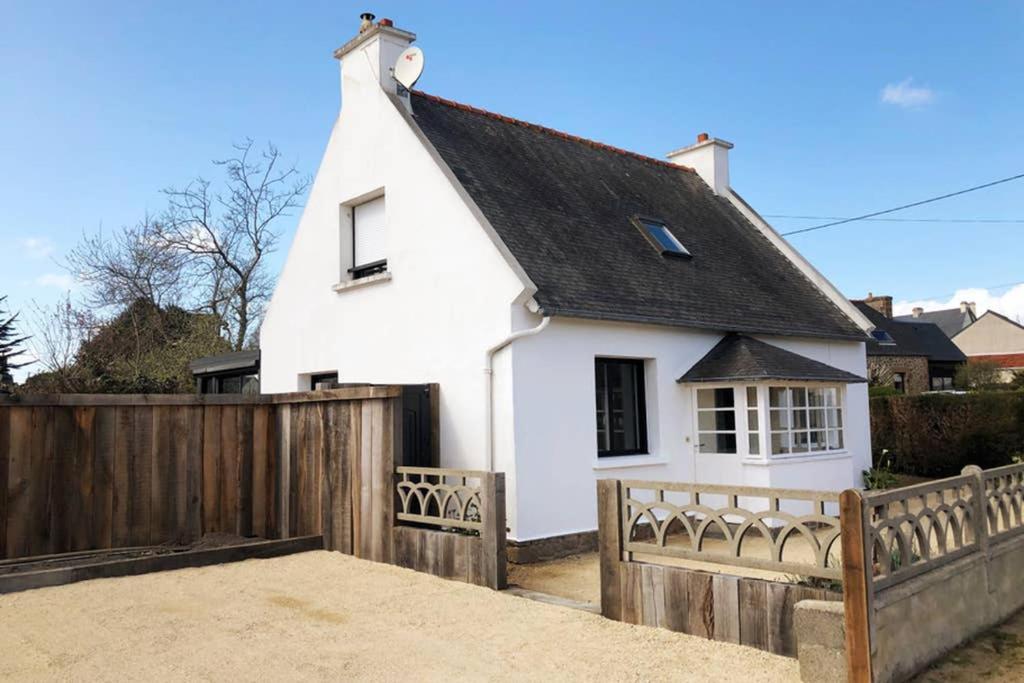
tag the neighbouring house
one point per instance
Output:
(950, 320)
(994, 337)
(910, 356)
(235, 372)
(587, 311)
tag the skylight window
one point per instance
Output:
(883, 338)
(662, 239)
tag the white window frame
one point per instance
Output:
(742, 408)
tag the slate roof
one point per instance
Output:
(738, 357)
(912, 338)
(563, 206)
(949, 320)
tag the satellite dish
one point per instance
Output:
(409, 67)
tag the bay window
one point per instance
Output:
(769, 420)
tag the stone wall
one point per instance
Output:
(914, 369)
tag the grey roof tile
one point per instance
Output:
(739, 358)
(563, 206)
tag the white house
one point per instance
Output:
(587, 311)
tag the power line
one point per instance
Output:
(904, 206)
(990, 288)
(898, 220)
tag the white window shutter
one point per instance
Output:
(368, 223)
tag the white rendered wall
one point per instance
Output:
(449, 297)
(555, 439)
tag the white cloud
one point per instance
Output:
(1010, 304)
(906, 94)
(36, 247)
(58, 280)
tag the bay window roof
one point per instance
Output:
(739, 358)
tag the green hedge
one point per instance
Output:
(936, 435)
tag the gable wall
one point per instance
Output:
(557, 465)
(449, 298)
(990, 334)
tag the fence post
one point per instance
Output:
(857, 586)
(979, 506)
(609, 543)
(492, 534)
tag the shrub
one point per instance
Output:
(936, 435)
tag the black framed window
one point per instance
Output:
(621, 407)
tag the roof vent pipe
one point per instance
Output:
(366, 21)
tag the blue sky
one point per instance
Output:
(104, 104)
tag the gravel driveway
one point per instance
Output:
(321, 615)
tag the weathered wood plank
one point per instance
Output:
(227, 503)
(104, 466)
(753, 594)
(632, 605)
(857, 588)
(124, 449)
(380, 483)
(196, 432)
(81, 511)
(365, 469)
(5, 454)
(726, 607)
(782, 598)
(260, 432)
(47, 486)
(19, 514)
(700, 603)
(350, 469)
(677, 609)
(609, 540)
(140, 457)
(295, 469)
(243, 511)
(211, 469)
(164, 477)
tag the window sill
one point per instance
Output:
(617, 462)
(362, 282)
(795, 459)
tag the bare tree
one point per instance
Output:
(125, 266)
(228, 234)
(58, 332)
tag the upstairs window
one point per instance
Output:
(621, 407)
(661, 237)
(368, 239)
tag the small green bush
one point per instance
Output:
(937, 435)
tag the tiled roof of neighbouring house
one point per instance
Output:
(563, 206)
(911, 338)
(950, 320)
(1004, 360)
(741, 358)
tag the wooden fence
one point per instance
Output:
(452, 524)
(743, 527)
(90, 472)
(84, 472)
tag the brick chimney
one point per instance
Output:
(882, 304)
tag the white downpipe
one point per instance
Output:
(489, 388)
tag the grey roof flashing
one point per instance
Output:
(225, 362)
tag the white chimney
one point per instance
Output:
(967, 305)
(370, 56)
(709, 158)
(917, 311)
